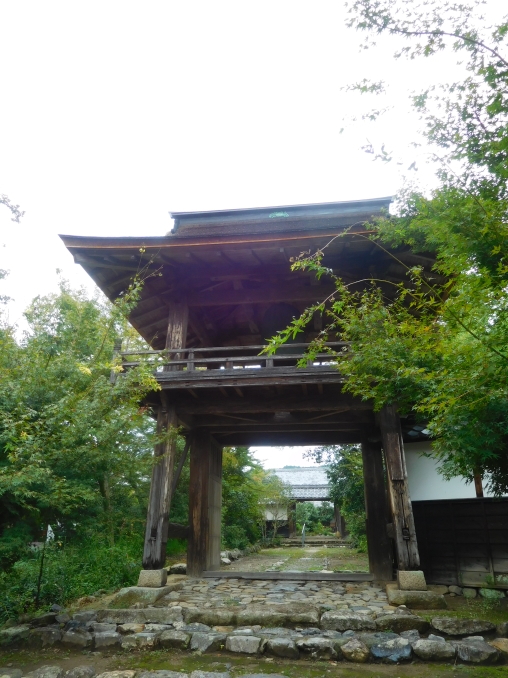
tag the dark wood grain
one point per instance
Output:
(379, 544)
(406, 545)
(156, 532)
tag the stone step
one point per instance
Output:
(289, 575)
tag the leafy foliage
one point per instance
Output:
(76, 454)
(69, 572)
(345, 473)
(69, 439)
(316, 519)
(242, 513)
(275, 500)
(438, 350)
(75, 451)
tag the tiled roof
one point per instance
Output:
(307, 483)
(310, 493)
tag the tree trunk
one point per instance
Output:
(106, 503)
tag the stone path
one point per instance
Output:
(308, 559)
(334, 621)
(363, 597)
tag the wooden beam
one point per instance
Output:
(278, 438)
(406, 545)
(329, 414)
(378, 543)
(156, 532)
(267, 294)
(199, 329)
(265, 420)
(282, 427)
(264, 403)
(283, 376)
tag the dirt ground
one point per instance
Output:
(298, 559)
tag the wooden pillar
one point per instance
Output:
(378, 542)
(156, 532)
(205, 500)
(292, 519)
(406, 546)
(177, 328)
(157, 521)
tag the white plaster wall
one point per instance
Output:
(425, 482)
(278, 514)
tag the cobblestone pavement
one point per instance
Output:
(361, 597)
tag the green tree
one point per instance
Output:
(439, 350)
(275, 500)
(316, 518)
(345, 473)
(241, 491)
(75, 449)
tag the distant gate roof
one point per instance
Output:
(307, 483)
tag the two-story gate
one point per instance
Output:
(223, 285)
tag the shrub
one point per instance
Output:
(234, 537)
(69, 572)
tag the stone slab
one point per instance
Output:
(453, 626)
(280, 615)
(144, 595)
(501, 644)
(9, 672)
(152, 578)
(46, 672)
(14, 634)
(411, 580)
(291, 576)
(243, 644)
(439, 588)
(149, 615)
(178, 569)
(400, 623)
(416, 600)
(434, 650)
(337, 620)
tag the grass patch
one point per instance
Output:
(238, 666)
(467, 608)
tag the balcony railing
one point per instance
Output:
(195, 360)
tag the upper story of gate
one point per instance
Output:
(232, 269)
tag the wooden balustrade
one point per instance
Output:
(231, 358)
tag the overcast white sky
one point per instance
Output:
(114, 113)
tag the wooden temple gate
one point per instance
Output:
(218, 286)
